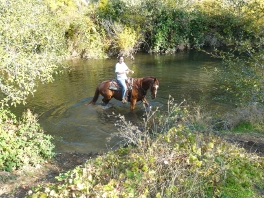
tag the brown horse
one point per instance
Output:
(138, 92)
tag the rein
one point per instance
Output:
(145, 91)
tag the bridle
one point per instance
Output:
(156, 87)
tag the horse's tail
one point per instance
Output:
(95, 98)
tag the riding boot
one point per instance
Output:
(125, 99)
(128, 97)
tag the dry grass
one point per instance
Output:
(251, 116)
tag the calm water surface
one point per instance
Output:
(62, 109)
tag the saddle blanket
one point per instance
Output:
(114, 84)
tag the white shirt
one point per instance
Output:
(121, 68)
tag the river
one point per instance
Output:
(62, 108)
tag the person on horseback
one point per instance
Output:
(121, 71)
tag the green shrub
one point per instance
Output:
(84, 38)
(241, 76)
(124, 40)
(172, 27)
(31, 45)
(63, 6)
(163, 26)
(22, 142)
(162, 162)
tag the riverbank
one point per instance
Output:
(18, 183)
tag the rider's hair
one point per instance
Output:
(119, 56)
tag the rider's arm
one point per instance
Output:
(125, 72)
(129, 70)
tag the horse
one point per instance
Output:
(136, 92)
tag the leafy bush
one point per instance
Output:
(22, 142)
(169, 26)
(241, 77)
(162, 162)
(122, 40)
(171, 30)
(83, 38)
(31, 45)
(63, 6)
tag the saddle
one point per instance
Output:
(114, 84)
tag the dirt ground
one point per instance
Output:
(18, 183)
(253, 143)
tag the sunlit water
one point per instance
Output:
(62, 108)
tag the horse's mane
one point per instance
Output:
(149, 77)
(146, 77)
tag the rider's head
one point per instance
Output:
(120, 59)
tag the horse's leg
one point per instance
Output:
(105, 101)
(107, 96)
(145, 102)
(133, 103)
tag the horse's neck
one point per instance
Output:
(146, 83)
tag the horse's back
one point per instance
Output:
(104, 83)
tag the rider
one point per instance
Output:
(121, 70)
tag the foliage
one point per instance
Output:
(127, 40)
(83, 38)
(171, 31)
(164, 26)
(30, 46)
(241, 76)
(169, 26)
(163, 162)
(22, 142)
(122, 40)
(110, 9)
(64, 6)
(156, 26)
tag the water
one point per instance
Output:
(62, 108)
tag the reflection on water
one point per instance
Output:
(77, 127)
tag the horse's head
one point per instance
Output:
(154, 88)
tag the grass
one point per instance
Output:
(246, 119)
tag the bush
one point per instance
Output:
(31, 45)
(84, 38)
(241, 77)
(122, 40)
(162, 162)
(22, 142)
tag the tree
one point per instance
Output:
(31, 43)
